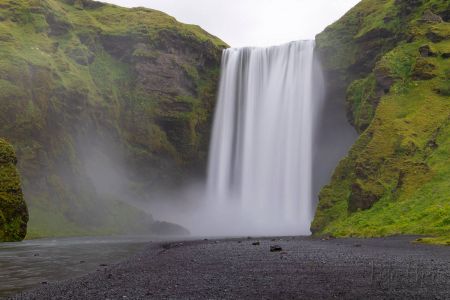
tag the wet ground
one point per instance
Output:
(305, 268)
(31, 264)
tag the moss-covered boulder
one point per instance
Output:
(385, 58)
(84, 77)
(13, 210)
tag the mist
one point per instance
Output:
(155, 211)
(191, 204)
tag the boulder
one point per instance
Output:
(435, 37)
(383, 78)
(426, 51)
(57, 26)
(430, 17)
(423, 70)
(364, 196)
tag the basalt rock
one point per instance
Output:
(430, 17)
(57, 27)
(436, 37)
(423, 70)
(427, 51)
(384, 78)
(362, 198)
(276, 248)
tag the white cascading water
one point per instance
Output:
(260, 164)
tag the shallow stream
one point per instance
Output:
(29, 264)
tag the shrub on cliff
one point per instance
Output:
(13, 210)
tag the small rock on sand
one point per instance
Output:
(275, 248)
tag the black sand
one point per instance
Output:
(391, 268)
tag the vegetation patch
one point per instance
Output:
(13, 210)
(83, 76)
(395, 178)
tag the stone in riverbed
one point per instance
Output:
(275, 248)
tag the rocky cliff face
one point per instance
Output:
(13, 210)
(82, 83)
(390, 60)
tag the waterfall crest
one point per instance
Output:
(260, 164)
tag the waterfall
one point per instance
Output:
(260, 164)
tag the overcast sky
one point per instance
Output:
(252, 22)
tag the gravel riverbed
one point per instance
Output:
(304, 268)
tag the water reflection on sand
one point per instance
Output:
(32, 263)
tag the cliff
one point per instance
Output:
(86, 86)
(390, 60)
(13, 210)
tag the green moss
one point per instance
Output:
(362, 101)
(142, 52)
(75, 70)
(119, 218)
(191, 71)
(443, 240)
(400, 64)
(13, 210)
(395, 178)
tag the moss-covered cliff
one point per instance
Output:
(79, 79)
(13, 210)
(391, 58)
